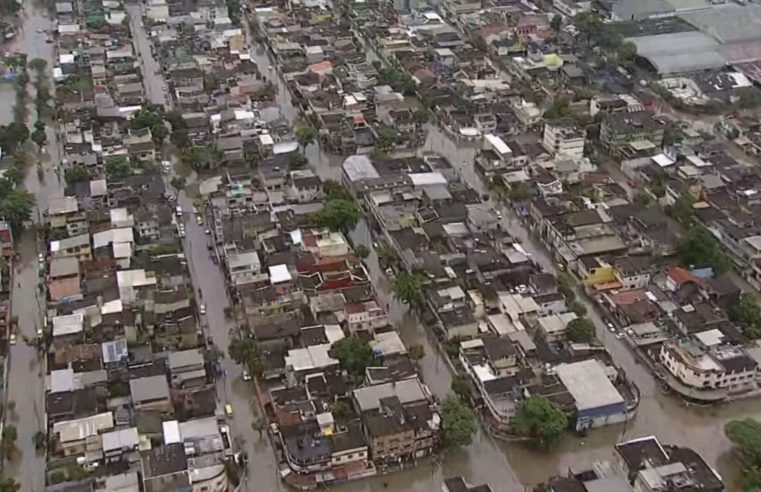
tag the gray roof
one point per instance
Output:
(408, 391)
(185, 358)
(115, 351)
(149, 389)
(627, 10)
(589, 385)
(63, 267)
(359, 167)
(730, 23)
(680, 52)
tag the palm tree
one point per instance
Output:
(387, 256)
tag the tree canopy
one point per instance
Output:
(683, 209)
(334, 190)
(408, 288)
(76, 174)
(200, 158)
(540, 419)
(699, 248)
(9, 484)
(353, 354)
(305, 135)
(16, 206)
(745, 435)
(746, 314)
(458, 424)
(246, 352)
(580, 330)
(399, 80)
(118, 167)
(338, 215)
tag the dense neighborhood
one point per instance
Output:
(360, 245)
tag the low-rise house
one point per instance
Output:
(150, 393)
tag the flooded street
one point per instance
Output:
(26, 374)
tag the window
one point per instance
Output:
(349, 456)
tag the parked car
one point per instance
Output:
(202, 309)
(246, 375)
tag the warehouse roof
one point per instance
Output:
(588, 384)
(680, 52)
(729, 24)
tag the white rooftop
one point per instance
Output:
(68, 324)
(588, 384)
(279, 273)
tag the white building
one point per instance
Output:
(563, 138)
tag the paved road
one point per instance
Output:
(26, 373)
(154, 85)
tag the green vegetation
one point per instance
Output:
(698, 248)
(416, 352)
(9, 484)
(408, 288)
(246, 352)
(556, 23)
(541, 420)
(577, 308)
(458, 424)
(150, 117)
(8, 442)
(305, 135)
(178, 183)
(201, 158)
(748, 97)
(565, 286)
(387, 256)
(362, 251)
(334, 190)
(179, 136)
(520, 192)
(606, 36)
(745, 435)
(297, 161)
(580, 330)
(234, 11)
(13, 136)
(338, 215)
(341, 410)
(399, 80)
(40, 440)
(16, 204)
(684, 209)
(353, 354)
(672, 135)
(461, 387)
(76, 174)
(38, 135)
(118, 167)
(386, 138)
(746, 314)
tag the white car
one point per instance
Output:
(246, 375)
(206, 231)
(13, 339)
(41, 258)
(202, 309)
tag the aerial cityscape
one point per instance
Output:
(365, 245)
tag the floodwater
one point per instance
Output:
(26, 374)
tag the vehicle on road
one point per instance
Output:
(229, 410)
(199, 220)
(202, 309)
(13, 339)
(207, 232)
(178, 211)
(246, 375)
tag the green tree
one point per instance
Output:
(16, 206)
(297, 161)
(362, 251)
(76, 174)
(118, 167)
(305, 135)
(178, 183)
(386, 137)
(338, 215)
(408, 288)
(699, 249)
(10, 433)
(13, 136)
(400, 81)
(458, 424)
(38, 64)
(745, 436)
(748, 97)
(387, 256)
(246, 352)
(421, 116)
(746, 314)
(580, 330)
(334, 190)
(9, 484)
(556, 23)
(340, 409)
(201, 158)
(40, 440)
(565, 286)
(671, 136)
(577, 308)
(626, 52)
(461, 387)
(39, 137)
(353, 354)
(416, 352)
(520, 192)
(541, 420)
(684, 209)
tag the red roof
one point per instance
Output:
(681, 275)
(628, 297)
